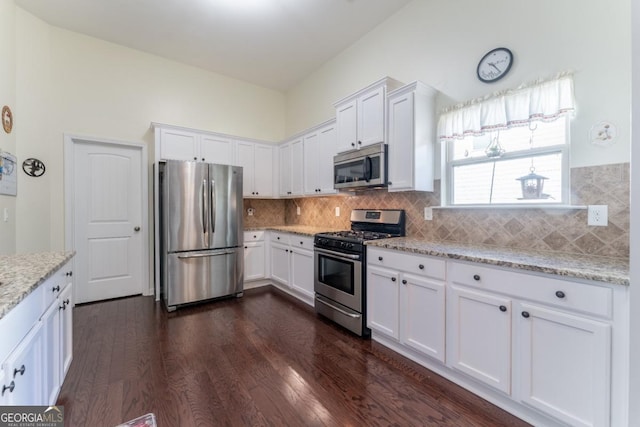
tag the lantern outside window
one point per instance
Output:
(532, 186)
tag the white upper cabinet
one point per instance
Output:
(297, 159)
(411, 136)
(181, 144)
(284, 153)
(319, 149)
(360, 117)
(257, 165)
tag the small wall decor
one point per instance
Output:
(33, 167)
(603, 134)
(7, 119)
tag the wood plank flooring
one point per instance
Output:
(262, 360)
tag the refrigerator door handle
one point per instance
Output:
(204, 206)
(213, 206)
(208, 254)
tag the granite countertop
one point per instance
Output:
(303, 230)
(21, 274)
(589, 267)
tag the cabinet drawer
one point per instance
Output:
(298, 241)
(278, 237)
(415, 264)
(582, 297)
(254, 236)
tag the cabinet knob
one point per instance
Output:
(70, 273)
(379, 258)
(503, 308)
(359, 142)
(136, 228)
(246, 247)
(421, 266)
(476, 277)
(257, 193)
(393, 279)
(525, 314)
(19, 371)
(389, 183)
(404, 281)
(195, 158)
(9, 387)
(301, 243)
(255, 237)
(353, 144)
(55, 288)
(66, 302)
(560, 294)
(278, 237)
(203, 159)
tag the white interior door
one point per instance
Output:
(107, 211)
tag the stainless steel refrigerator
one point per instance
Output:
(201, 232)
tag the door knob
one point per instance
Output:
(136, 228)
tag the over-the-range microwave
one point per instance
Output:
(361, 168)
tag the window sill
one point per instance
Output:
(541, 206)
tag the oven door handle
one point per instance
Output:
(338, 309)
(338, 254)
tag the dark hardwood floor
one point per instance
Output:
(264, 359)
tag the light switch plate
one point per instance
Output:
(598, 215)
(297, 210)
(337, 210)
(428, 214)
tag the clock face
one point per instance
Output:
(495, 65)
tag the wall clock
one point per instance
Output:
(495, 65)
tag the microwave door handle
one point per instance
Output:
(368, 169)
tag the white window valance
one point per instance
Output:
(542, 100)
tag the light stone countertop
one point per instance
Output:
(303, 230)
(21, 274)
(588, 267)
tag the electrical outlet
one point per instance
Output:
(6, 214)
(428, 213)
(297, 210)
(337, 210)
(251, 211)
(598, 215)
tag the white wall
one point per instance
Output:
(440, 42)
(8, 97)
(70, 83)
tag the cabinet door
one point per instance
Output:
(346, 126)
(254, 261)
(371, 117)
(263, 170)
(52, 378)
(382, 301)
(422, 319)
(326, 151)
(284, 153)
(302, 271)
(401, 136)
(66, 329)
(217, 150)
(479, 336)
(565, 365)
(178, 145)
(280, 263)
(311, 163)
(24, 368)
(245, 155)
(297, 160)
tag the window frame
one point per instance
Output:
(448, 164)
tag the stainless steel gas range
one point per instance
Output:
(340, 266)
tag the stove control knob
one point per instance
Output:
(350, 245)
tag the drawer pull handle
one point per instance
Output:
(503, 308)
(393, 279)
(379, 258)
(19, 371)
(55, 289)
(476, 277)
(255, 237)
(560, 294)
(301, 243)
(421, 266)
(525, 314)
(246, 247)
(404, 281)
(278, 237)
(10, 387)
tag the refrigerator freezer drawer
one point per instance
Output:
(201, 275)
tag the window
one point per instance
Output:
(511, 148)
(485, 170)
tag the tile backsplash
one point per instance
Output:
(553, 230)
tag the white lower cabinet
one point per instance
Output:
(480, 336)
(35, 367)
(406, 300)
(565, 364)
(254, 256)
(292, 264)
